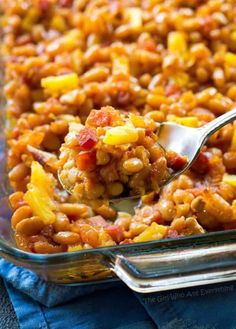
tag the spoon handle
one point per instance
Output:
(211, 127)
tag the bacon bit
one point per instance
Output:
(123, 97)
(100, 118)
(148, 45)
(172, 234)
(86, 139)
(86, 161)
(175, 161)
(201, 164)
(148, 131)
(44, 5)
(65, 3)
(116, 232)
(172, 90)
(126, 241)
(98, 221)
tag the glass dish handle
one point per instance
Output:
(174, 269)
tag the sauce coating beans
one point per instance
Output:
(86, 85)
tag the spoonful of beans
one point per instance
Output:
(120, 158)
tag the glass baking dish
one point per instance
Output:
(144, 267)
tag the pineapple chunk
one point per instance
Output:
(142, 122)
(134, 17)
(153, 232)
(121, 135)
(177, 43)
(184, 121)
(74, 247)
(39, 194)
(55, 84)
(230, 59)
(229, 179)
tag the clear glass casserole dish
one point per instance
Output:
(144, 267)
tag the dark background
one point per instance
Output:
(8, 318)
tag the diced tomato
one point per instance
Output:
(148, 45)
(44, 5)
(99, 118)
(175, 161)
(126, 241)
(201, 164)
(86, 161)
(148, 131)
(86, 139)
(116, 232)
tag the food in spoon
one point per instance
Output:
(115, 154)
(159, 60)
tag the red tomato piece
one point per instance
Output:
(116, 232)
(86, 139)
(148, 45)
(175, 161)
(99, 118)
(201, 164)
(86, 161)
(44, 5)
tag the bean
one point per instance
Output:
(115, 188)
(62, 223)
(133, 165)
(19, 172)
(66, 237)
(75, 209)
(44, 247)
(102, 158)
(30, 226)
(229, 159)
(17, 200)
(20, 214)
(51, 142)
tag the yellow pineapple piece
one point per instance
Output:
(74, 247)
(39, 194)
(229, 179)
(121, 135)
(176, 43)
(153, 232)
(60, 83)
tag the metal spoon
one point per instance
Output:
(180, 139)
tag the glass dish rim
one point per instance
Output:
(210, 237)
